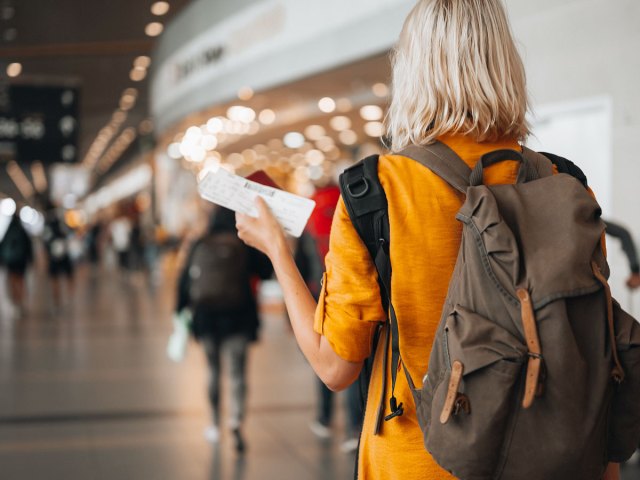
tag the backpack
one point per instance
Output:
(14, 247)
(218, 273)
(534, 372)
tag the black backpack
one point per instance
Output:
(218, 273)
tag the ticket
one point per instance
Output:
(238, 194)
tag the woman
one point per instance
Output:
(458, 79)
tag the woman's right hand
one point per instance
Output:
(263, 232)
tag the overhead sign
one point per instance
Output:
(40, 123)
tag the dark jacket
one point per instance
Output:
(219, 324)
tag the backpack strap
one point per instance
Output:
(442, 161)
(567, 166)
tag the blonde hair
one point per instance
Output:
(456, 70)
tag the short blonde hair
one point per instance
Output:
(456, 70)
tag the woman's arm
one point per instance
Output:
(265, 234)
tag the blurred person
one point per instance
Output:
(217, 285)
(311, 250)
(58, 252)
(16, 254)
(457, 79)
(120, 230)
(93, 243)
(629, 247)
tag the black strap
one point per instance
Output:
(567, 166)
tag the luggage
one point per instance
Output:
(218, 272)
(535, 370)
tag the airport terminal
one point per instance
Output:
(116, 121)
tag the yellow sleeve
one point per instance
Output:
(349, 307)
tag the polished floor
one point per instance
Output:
(87, 392)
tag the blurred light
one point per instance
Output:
(314, 132)
(236, 160)
(8, 12)
(215, 125)
(293, 139)
(326, 105)
(238, 113)
(142, 61)
(314, 157)
(198, 154)
(153, 29)
(325, 143)
(28, 215)
(340, 123)
(315, 172)
(344, 105)
(174, 151)
(374, 129)
(245, 93)
(193, 132)
(209, 142)
(7, 206)
(137, 73)
(301, 174)
(254, 127)
(348, 137)
(160, 8)
(267, 116)
(118, 117)
(380, 90)
(371, 112)
(14, 69)
(39, 176)
(19, 179)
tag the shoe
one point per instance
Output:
(349, 446)
(239, 441)
(320, 430)
(212, 434)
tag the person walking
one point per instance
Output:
(55, 237)
(457, 80)
(218, 286)
(16, 254)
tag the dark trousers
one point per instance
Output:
(353, 407)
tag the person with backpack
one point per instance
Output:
(16, 254)
(218, 285)
(465, 244)
(311, 250)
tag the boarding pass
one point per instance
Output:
(238, 194)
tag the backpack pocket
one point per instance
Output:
(472, 405)
(624, 421)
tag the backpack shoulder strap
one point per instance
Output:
(542, 164)
(567, 166)
(442, 161)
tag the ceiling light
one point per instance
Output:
(142, 61)
(314, 132)
(7, 207)
(153, 29)
(137, 74)
(374, 129)
(209, 142)
(14, 69)
(160, 8)
(293, 139)
(326, 105)
(215, 125)
(344, 105)
(348, 137)
(325, 143)
(245, 93)
(267, 116)
(340, 123)
(174, 150)
(380, 90)
(314, 157)
(371, 112)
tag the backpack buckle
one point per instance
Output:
(396, 410)
(361, 193)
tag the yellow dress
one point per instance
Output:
(425, 237)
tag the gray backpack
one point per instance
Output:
(535, 370)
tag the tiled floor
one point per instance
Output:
(88, 393)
